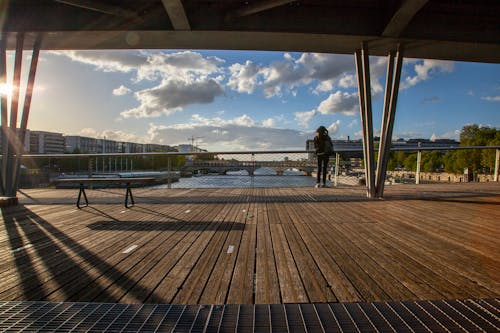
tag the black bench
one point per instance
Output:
(126, 181)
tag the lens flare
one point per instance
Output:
(6, 89)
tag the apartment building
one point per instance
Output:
(41, 142)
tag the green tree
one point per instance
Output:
(477, 160)
(431, 161)
(450, 163)
(396, 160)
(410, 162)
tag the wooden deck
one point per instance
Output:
(275, 245)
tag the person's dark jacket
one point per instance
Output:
(319, 143)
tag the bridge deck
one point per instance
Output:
(275, 245)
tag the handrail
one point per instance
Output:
(253, 152)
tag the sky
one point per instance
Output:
(243, 100)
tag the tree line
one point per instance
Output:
(455, 161)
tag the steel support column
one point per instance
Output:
(419, 161)
(497, 162)
(394, 66)
(337, 168)
(4, 116)
(12, 139)
(11, 135)
(26, 111)
(365, 105)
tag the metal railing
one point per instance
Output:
(205, 169)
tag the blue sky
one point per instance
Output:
(235, 100)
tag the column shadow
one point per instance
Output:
(51, 247)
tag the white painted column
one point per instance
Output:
(417, 174)
(497, 162)
(337, 165)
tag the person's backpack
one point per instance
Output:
(328, 147)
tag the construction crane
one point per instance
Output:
(193, 139)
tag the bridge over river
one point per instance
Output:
(223, 166)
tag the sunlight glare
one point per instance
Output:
(6, 89)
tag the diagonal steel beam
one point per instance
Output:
(4, 115)
(26, 112)
(100, 7)
(364, 91)
(177, 14)
(385, 118)
(370, 168)
(361, 96)
(394, 67)
(8, 155)
(402, 17)
(256, 7)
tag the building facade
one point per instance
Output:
(88, 145)
(41, 142)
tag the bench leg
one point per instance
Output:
(128, 194)
(82, 190)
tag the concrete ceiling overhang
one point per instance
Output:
(462, 30)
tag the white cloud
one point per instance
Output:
(185, 78)
(186, 64)
(340, 102)
(108, 61)
(270, 122)
(451, 135)
(348, 81)
(121, 90)
(334, 127)
(323, 86)
(229, 135)
(116, 135)
(447, 135)
(378, 70)
(172, 96)
(290, 73)
(322, 66)
(425, 69)
(328, 70)
(243, 120)
(303, 118)
(243, 78)
(491, 98)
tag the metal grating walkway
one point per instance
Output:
(481, 315)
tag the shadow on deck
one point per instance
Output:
(253, 246)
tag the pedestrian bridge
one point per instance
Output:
(223, 166)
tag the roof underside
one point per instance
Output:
(467, 30)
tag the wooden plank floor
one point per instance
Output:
(253, 245)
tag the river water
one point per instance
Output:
(235, 181)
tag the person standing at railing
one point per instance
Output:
(324, 148)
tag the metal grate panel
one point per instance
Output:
(480, 315)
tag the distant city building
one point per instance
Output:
(350, 145)
(81, 144)
(100, 146)
(189, 149)
(152, 147)
(445, 143)
(339, 145)
(41, 142)
(131, 147)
